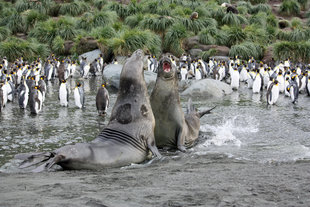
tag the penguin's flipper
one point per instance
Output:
(201, 114)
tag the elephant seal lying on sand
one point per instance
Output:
(173, 129)
(127, 139)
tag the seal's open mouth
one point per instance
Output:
(166, 67)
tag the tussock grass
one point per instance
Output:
(247, 50)
(298, 51)
(290, 7)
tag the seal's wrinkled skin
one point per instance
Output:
(173, 129)
(127, 139)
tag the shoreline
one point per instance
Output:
(221, 182)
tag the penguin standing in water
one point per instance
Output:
(42, 86)
(302, 82)
(235, 79)
(293, 89)
(63, 93)
(184, 72)
(35, 100)
(286, 83)
(308, 86)
(23, 95)
(243, 74)
(150, 64)
(102, 100)
(86, 70)
(280, 80)
(273, 93)
(79, 97)
(1, 98)
(72, 68)
(257, 83)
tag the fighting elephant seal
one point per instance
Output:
(127, 139)
(173, 129)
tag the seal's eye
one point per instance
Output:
(166, 67)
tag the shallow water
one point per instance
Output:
(247, 155)
(241, 127)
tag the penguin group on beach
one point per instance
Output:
(27, 82)
(275, 77)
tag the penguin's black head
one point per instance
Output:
(280, 72)
(276, 82)
(78, 84)
(63, 81)
(287, 78)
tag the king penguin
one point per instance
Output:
(79, 97)
(293, 89)
(35, 100)
(42, 87)
(235, 79)
(23, 95)
(1, 97)
(286, 83)
(308, 86)
(63, 93)
(273, 93)
(257, 83)
(102, 100)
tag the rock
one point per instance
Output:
(207, 88)
(195, 52)
(191, 42)
(86, 44)
(90, 56)
(68, 45)
(268, 54)
(220, 50)
(112, 72)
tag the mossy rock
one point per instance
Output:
(86, 44)
(268, 55)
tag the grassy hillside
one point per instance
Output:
(33, 28)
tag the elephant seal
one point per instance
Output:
(173, 129)
(127, 138)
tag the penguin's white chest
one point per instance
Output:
(235, 79)
(257, 84)
(198, 75)
(63, 95)
(183, 73)
(77, 98)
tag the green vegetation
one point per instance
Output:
(156, 26)
(290, 7)
(298, 51)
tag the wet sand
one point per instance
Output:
(192, 181)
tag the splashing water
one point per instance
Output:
(224, 133)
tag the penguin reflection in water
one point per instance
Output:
(63, 93)
(79, 97)
(102, 100)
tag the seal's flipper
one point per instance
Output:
(33, 159)
(201, 114)
(151, 145)
(190, 107)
